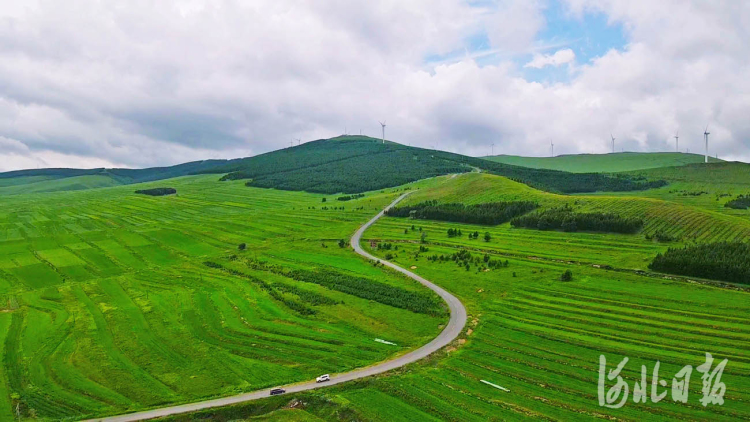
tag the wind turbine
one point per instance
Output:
(552, 149)
(677, 141)
(613, 143)
(705, 134)
(291, 143)
(298, 141)
(493, 149)
(383, 125)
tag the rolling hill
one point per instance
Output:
(607, 163)
(65, 179)
(348, 164)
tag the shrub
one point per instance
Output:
(242, 246)
(157, 191)
(566, 276)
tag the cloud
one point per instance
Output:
(560, 57)
(157, 83)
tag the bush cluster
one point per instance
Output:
(157, 191)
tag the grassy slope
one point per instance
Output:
(617, 162)
(117, 311)
(57, 180)
(58, 185)
(715, 184)
(680, 220)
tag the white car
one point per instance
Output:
(323, 378)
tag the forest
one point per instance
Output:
(564, 218)
(491, 213)
(725, 261)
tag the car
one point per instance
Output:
(323, 378)
(277, 391)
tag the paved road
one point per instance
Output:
(449, 333)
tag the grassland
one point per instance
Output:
(106, 304)
(539, 337)
(608, 163)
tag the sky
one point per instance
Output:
(148, 83)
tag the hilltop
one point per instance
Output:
(608, 163)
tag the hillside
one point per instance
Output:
(66, 179)
(680, 221)
(353, 164)
(609, 163)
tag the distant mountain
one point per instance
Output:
(598, 163)
(348, 164)
(64, 179)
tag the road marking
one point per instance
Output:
(495, 385)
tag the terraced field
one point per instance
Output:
(107, 305)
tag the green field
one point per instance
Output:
(106, 304)
(608, 163)
(112, 301)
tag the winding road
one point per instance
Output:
(449, 333)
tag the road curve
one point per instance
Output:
(449, 333)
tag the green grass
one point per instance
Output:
(40, 184)
(603, 163)
(106, 305)
(117, 312)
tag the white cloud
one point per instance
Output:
(143, 84)
(560, 57)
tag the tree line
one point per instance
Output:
(725, 261)
(564, 218)
(491, 213)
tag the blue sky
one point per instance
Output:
(589, 36)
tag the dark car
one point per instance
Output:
(277, 391)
